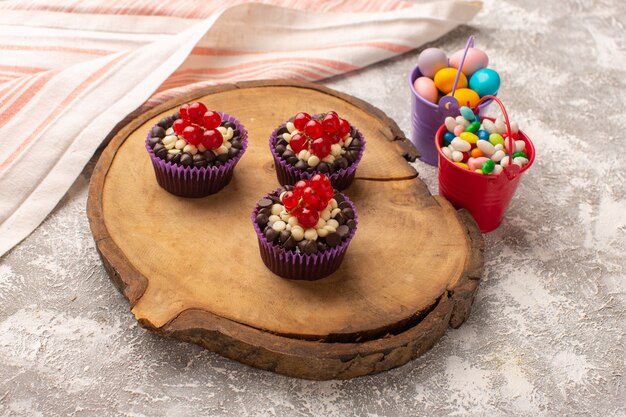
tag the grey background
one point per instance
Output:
(546, 336)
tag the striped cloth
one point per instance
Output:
(71, 70)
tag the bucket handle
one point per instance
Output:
(509, 170)
(468, 45)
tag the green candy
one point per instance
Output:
(488, 166)
(473, 127)
(496, 139)
(522, 154)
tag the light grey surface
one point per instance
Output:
(546, 336)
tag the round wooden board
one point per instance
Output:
(190, 268)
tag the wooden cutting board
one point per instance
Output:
(191, 269)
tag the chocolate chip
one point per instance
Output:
(228, 124)
(331, 169)
(160, 150)
(290, 243)
(265, 203)
(199, 160)
(154, 140)
(158, 131)
(280, 149)
(307, 246)
(284, 235)
(355, 144)
(209, 156)
(282, 142)
(175, 116)
(322, 167)
(288, 187)
(186, 159)
(321, 246)
(236, 134)
(343, 231)
(261, 220)
(293, 160)
(223, 157)
(170, 157)
(341, 162)
(339, 198)
(282, 130)
(343, 204)
(236, 144)
(351, 224)
(352, 131)
(232, 152)
(271, 234)
(341, 219)
(348, 212)
(287, 154)
(348, 157)
(354, 155)
(301, 165)
(165, 122)
(333, 239)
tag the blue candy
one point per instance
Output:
(467, 113)
(485, 81)
(448, 136)
(483, 134)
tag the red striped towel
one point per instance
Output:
(70, 70)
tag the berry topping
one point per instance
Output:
(321, 147)
(193, 134)
(290, 200)
(212, 139)
(196, 112)
(298, 142)
(307, 217)
(318, 135)
(344, 128)
(330, 123)
(183, 110)
(300, 120)
(211, 120)
(180, 125)
(313, 129)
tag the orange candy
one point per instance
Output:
(476, 153)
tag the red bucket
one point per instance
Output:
(485, 196)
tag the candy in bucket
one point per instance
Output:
(481, 164)
(435, 74)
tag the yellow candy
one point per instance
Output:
(462, 165)
(444, 80)
(478, 170)
(469, 137)
(466, 97)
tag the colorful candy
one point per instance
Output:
(438, 75)
(474, 60)
(485, 82)
(432, 60)
(480, 151)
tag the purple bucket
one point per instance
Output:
(426, 117)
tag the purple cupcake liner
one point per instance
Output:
(192, 181)
(299, 266)
(288, 175)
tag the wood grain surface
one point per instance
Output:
(190, 268)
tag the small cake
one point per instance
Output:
(306, 145)
(195, 150)
(304, 230)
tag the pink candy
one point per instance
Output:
(475, 163)
(458, 129)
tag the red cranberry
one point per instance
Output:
(321, 147)
(211, 120)
(330, 123)
(180, 125)
(301, 120)
(196, 111)
(344, 128)
(313, 129)
(212, 139)
(192, 134)
(308, 217)
(298, 142)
